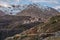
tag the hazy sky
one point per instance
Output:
(51, 3)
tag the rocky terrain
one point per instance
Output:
(47, 31)
(37, 11)
(34, 22)
(11, 24)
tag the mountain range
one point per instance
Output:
(39, 12)
(26, 19)
(14, 9)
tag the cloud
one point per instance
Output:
(56, 7)
(5, 4)
(34, 1)
(46, 1)
(18, 0)
(9, 1)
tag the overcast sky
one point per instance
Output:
(51, 3)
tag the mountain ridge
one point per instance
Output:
(35, 11)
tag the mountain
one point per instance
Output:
(12, 24)
(12, 9)
(29, 22)
(2, 13)
(37, 11)
(44, 31)
(58, 9)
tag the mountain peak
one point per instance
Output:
(37, 11)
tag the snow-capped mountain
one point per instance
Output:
(58, 9)
(2, 13)
(38, 11)
(13, 9)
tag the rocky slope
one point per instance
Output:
(37, 11)
(12, 24)
(44, 31)
(27, 21)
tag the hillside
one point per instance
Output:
(12, 24)
(43, 31)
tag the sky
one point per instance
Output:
(50, 3)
